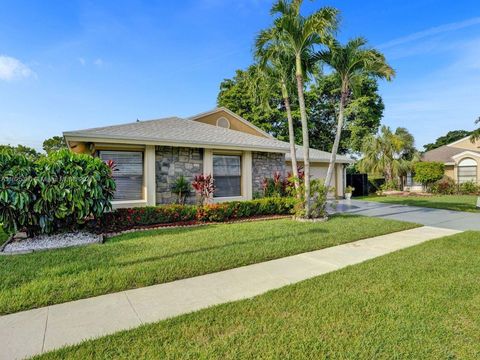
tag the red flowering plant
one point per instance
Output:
(204, 187)
(275, 186)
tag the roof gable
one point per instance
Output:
(236, 122)
(466, 144)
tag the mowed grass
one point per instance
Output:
(419, 303)
(146, 258)
(449, 202)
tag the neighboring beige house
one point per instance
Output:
(151, 155)
(461, 159)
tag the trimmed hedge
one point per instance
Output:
(125, 219)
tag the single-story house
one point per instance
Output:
(461, 159)
(151, 155)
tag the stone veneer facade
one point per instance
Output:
(170, 164)
(264, 165)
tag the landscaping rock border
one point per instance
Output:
(18, 246)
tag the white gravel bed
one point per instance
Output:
(46, 242)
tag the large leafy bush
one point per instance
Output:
(429, 172)
(17, 191)
(53, 193)
(72, 188)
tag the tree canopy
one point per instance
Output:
(54, 144)
(363, 113)
(450, 137)
(27, 151)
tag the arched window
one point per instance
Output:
(467, 171)
(223, 122)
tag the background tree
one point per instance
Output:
(388, 154)
(238, 95)
(54, 144)
(363, 113)
(449, 138)
(350, 63)
(22, 150)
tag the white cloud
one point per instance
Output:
(431, 32)
(11, 69)
(82, 61)
(98, 62)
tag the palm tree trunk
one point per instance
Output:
(338, 135)
(306, 142)
(291, 134)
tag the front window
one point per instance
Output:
(128, 173)
(467, 171)
(227, 175)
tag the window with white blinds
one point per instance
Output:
(128, 173)
(227, 175)
(467, 171)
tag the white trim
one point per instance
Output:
(128, 204)
(229, 198)
(150, 183)
(466, 153)
(230, 112)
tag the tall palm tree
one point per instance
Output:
(350, 63)
(298, 35)
(278, 66)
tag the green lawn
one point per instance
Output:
(158, 256)
(419, 303)
(449, 202)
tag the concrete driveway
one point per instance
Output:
(447, 219)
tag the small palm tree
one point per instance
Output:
(298, 35)
(350, 63)
(388, 154)
(476, 133)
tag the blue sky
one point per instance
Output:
(67, 65)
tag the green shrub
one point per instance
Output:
(54, 193)
(124, 219)
(318, 201)
(429, 172)
(468, 188)
(17, 191)
(445, 186)
(72, 188)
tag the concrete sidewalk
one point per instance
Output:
(36, 331)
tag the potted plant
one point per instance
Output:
(348, 192)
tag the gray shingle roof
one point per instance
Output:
(319, 156)
(444, 154)
(176, 130)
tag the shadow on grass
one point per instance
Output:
(214, 248)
